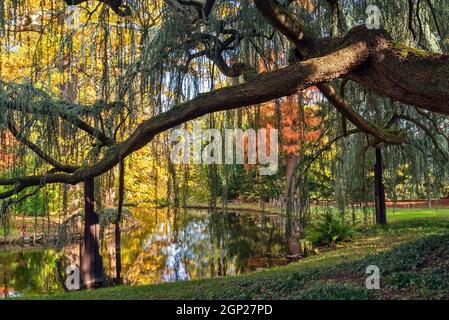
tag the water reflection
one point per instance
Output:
(168, 246)
(27, 272)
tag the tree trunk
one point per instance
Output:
(91, 262)
(290, 177)
(381, 211)
(118, 252)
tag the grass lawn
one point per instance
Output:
(412, 253)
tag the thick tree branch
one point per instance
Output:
(409, 76)
(406, 75)
(342, 106)
(266, 87)
(368, 57)
(306, 43)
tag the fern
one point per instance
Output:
(330, 230)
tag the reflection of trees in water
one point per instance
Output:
(198, 245)
(29, 271)
(180, 246)
(243, 241)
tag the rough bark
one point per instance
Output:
(118, 251)
(381, 211)
(91, 262)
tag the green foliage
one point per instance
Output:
(334, 292)
(38, 204)
(330, 230)
(429, 280)
(34, 270)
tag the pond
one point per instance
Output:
(167, 246)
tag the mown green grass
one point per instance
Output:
(400, 214)
(412, 253)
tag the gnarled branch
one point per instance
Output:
(266, 87)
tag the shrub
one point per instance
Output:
(330, 230)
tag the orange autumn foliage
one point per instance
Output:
(6, 156)
(295, 130)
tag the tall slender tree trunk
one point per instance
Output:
(118, 251)
(381, 211)
(91, 262)
(290, 177)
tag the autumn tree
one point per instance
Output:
(127, 59)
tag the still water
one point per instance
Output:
(166, 247)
